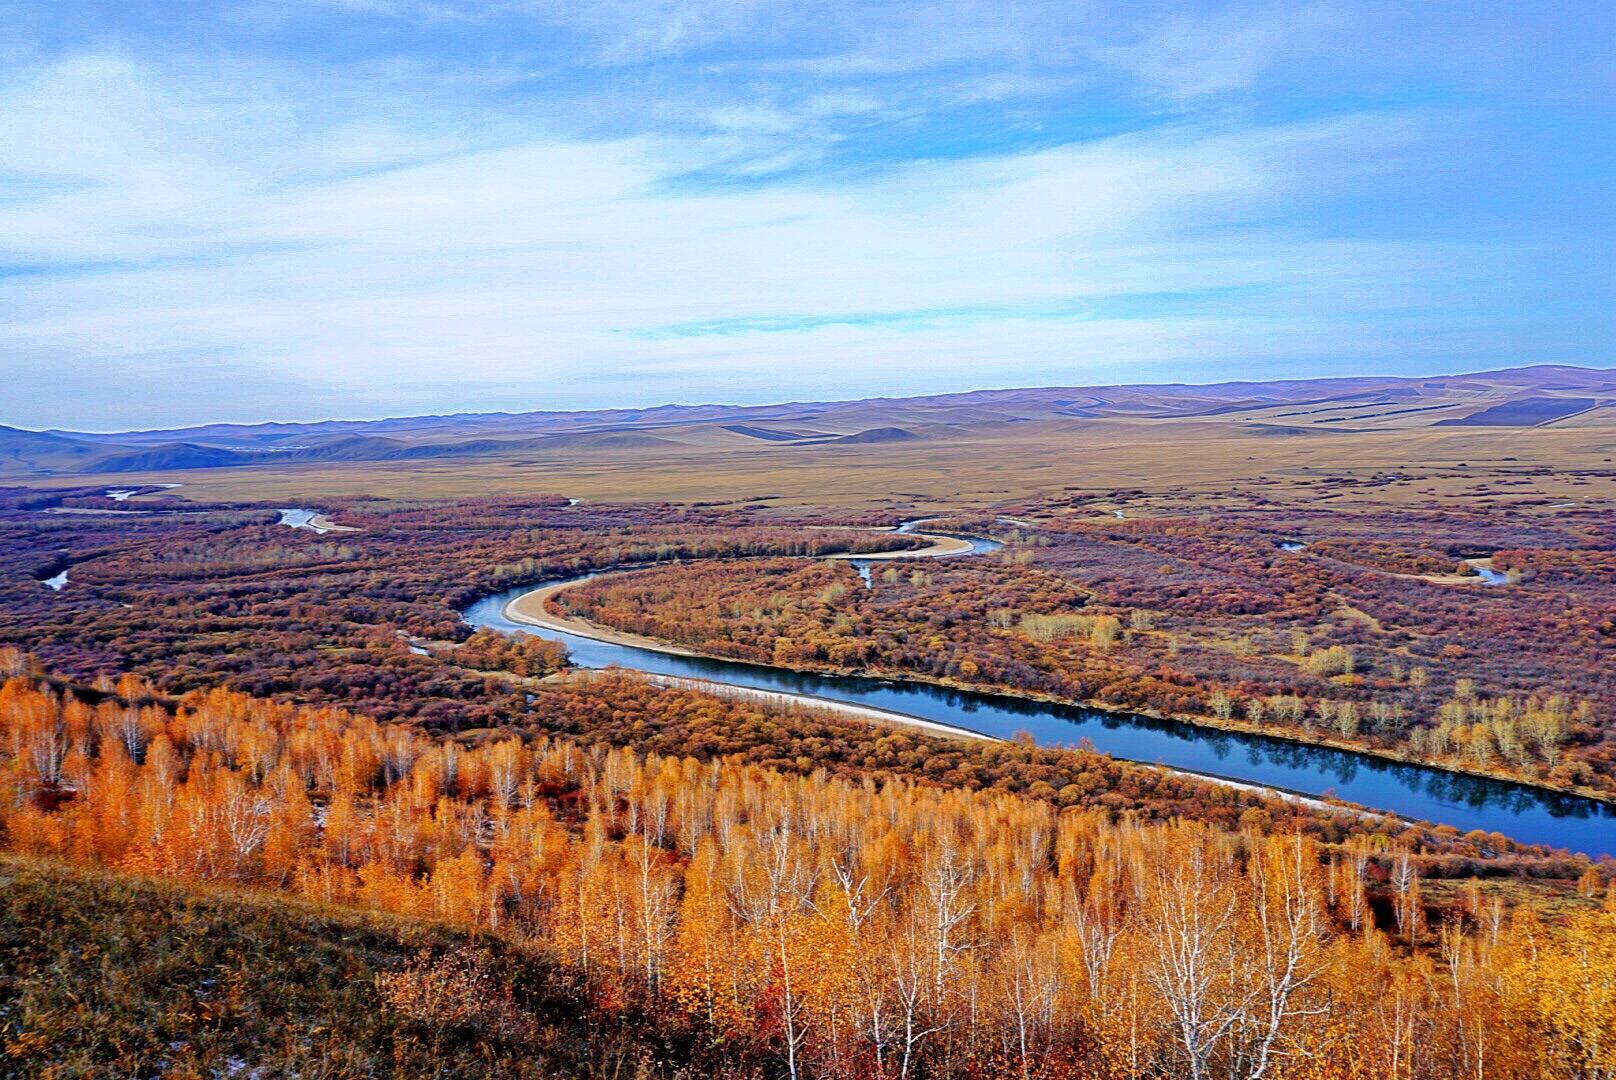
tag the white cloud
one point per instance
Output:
(405, 257)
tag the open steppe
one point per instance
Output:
(1171, 464)
(1544, 433)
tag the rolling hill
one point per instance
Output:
(990, 442)
(41, 452)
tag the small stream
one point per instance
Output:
(980, 545)
(1488, 575)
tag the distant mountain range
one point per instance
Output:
(1540, 396)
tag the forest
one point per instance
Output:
(608, 874)
(823, 926)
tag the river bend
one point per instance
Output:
(1418, 792)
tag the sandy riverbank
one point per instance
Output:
(532, 609)
(939, 546)
(85, 511)
(1460, 579)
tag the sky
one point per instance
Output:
(311, 209)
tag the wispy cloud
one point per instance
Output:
(1144, 305)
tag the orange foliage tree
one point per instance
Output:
(856, 928)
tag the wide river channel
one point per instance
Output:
(1423, 794)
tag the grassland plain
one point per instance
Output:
(1171, 465)
(1207, 445)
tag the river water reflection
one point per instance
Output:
(1465, 802)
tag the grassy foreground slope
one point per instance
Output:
(105, 974)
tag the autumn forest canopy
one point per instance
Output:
(527, 868)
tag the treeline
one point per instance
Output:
(618, 710)
(623, 711)
(841, 927)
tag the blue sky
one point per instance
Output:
(303, 209)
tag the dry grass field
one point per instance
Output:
(1542, 434)
(1174, 465)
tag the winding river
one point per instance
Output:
(1464, 802)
